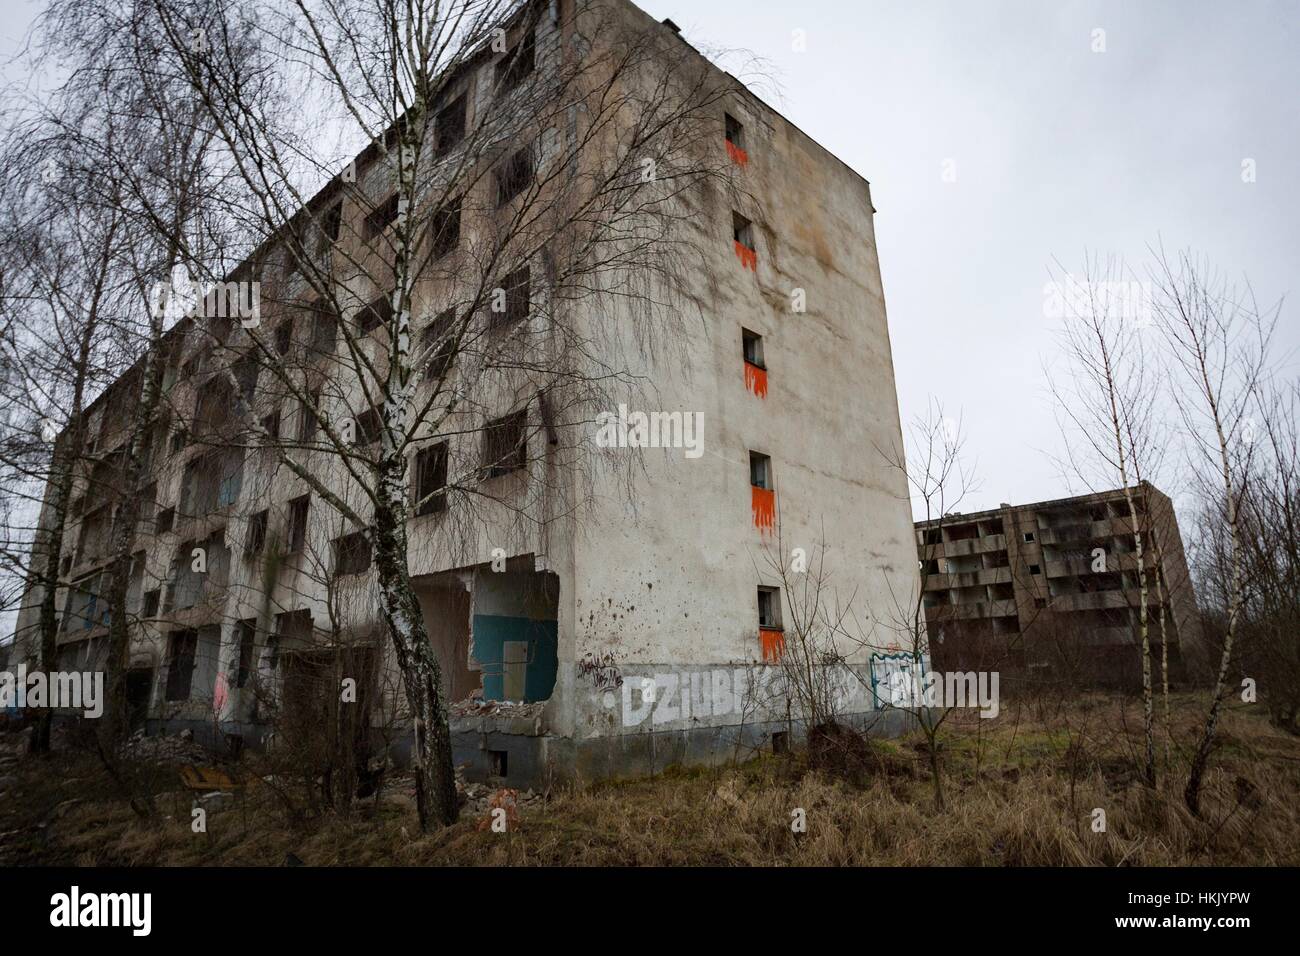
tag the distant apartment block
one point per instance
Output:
(1052, 590)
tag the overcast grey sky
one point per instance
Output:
(1056, 149)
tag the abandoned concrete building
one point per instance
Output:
(612, 634)
(1052, 589)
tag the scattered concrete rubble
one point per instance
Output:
(476, 707)
(179, 748)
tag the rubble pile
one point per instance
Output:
(477, 799)
(179, 748)
(477, 707)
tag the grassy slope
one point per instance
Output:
(1021, 791)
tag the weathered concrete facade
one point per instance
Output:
(620, 629)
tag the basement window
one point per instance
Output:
(753, 347)
(760, 470)
(1029, 537)
(352, 553)
(505, 447)
(498, 763)
(769, 608)
(1035, 569)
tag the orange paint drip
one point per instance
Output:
(764, 506)
(738, 155)
(756, 379)
(747, 256)
(773, 643)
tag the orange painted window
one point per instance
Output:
(756, 379)
(738, 155)
(772, 641)
(763, 503)
(747, 256)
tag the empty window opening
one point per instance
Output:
(742, 230)
(498, 763)
(324, 331)
(1029, 537)
(735, 131)
(771, 638)
(369, 427)
(781, 742)
(769, 608)
(378, 312)
(755, 370)
(352, 553)
(760, 470)
(297, 528)
(308, 421)
(505, 447)
(511, 300)
(271, 425)
(451, 125)
(255, 541)
(180, 666)
(736, 141)
(444, 229)
(379, 218)
(431, 480)
(440, 344)
(247, 632)
(332, 222)
(513, 68)
(514, 175)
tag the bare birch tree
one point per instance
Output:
(1218, 337)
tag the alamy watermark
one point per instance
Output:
(627, 429)
(60, 690)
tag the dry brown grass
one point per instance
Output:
(1021, 791)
